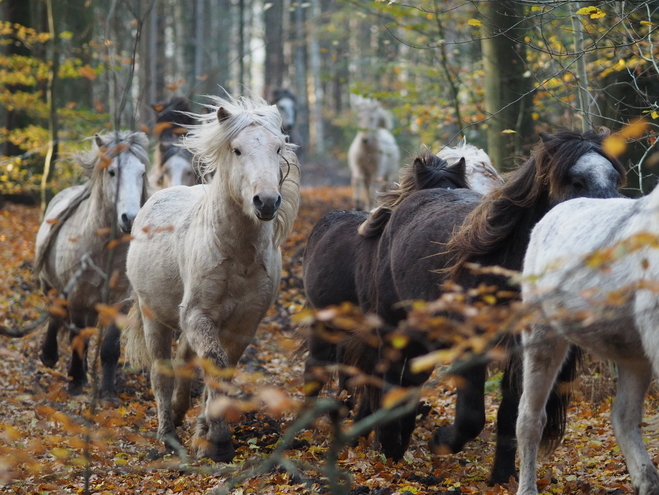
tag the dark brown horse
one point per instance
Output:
(418, 252)
(336, 255)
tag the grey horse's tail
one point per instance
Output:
(134, 340)
(558, 401)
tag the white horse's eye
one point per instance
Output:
(111, 173)
(278, 150)
(237, 152)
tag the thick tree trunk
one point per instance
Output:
(507, 90)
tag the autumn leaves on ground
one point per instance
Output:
(53, 443)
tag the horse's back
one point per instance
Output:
(411, 255)
(329, 259)
(557, 273)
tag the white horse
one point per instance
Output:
(174, 167)
(592, 267)
(373, 156)
(207, 260)
(481, 176)
(72, 245)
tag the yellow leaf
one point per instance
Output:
(60, 453)
(87, 72)
(508, 131)
(474, 22)
(634, 129)
(535, 8)
(614, 145)
(646, 23)
(394, 397)
(593, 12)
(399, 341)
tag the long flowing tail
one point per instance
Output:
(134, 340)
(559, 400)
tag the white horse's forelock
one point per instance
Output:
(210, 139)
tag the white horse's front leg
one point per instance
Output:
(626, 416)
(213, 435)
(357, 183)
(543, 355)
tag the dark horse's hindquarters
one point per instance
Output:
(418, 250)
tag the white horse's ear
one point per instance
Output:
(222, 114)
(99, 140)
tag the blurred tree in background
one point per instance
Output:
(495, 73)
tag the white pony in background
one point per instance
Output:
(592, 268)
(206, 260)
(373, 156)
(481, 176)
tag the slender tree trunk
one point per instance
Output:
(507, 90)
(53, 125)
(241, 45)
(582, 76)
(314, 49)
(301, 74)
(17, 12)
(274, 48)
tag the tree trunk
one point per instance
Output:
(16, 12)
(274, 48)
(507, 90)
(301, 91)
(314, 52)
(53, 125)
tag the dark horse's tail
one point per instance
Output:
(559, 399)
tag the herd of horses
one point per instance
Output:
(199, 261)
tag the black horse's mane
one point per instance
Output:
(428, 171)
(540, 181)
(173, 118)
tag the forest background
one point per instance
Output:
(495, 73)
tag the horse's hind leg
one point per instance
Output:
(626, 416)
(543, 355)
(469, 413)
(506, 447)
(78, 364)
(110, 352)
(49, 354)
(182, 381)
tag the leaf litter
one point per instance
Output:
(48, 438)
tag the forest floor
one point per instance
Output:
(51, 442)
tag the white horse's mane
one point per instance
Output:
(471, 154)
(210, 142)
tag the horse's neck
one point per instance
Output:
(96, 212)
(237, 234)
